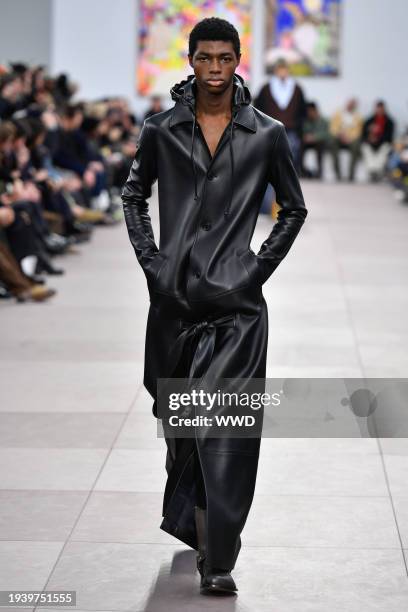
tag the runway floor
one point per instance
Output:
(82, 470)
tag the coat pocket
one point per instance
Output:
(152, 271)
(250, 261)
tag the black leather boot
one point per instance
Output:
(200, 519)
(213, 580)
(217, 580)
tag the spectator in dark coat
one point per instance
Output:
(282, 98)
(378, 132)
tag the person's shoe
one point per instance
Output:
(90, 216)
(80, 227)
(35, 279)
(216, 580)
(5, 294)
(81, 238)
(305, 173)
(213, 580)
(55, 244)
(36, 293)
(44, 264)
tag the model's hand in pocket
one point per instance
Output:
(153, 267)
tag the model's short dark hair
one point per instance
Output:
(214, 28)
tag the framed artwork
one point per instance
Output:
(163, 39)
(304, 32)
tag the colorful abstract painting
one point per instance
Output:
(163, 39)
(304, 32)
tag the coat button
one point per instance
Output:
(211, 176)
(206, 226)
(197, 273)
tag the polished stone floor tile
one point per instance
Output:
(342, 446)
(111, 516)
(69, 386)
(60, 429)
(321, 521)
(26, 566)
(48, 468)
(396, 467)
(401, 512)
(321, 474)
(133, 470)
(39, 515)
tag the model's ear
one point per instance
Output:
(190, 60)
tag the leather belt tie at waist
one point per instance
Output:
(206, 330)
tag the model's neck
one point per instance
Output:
(212, 104)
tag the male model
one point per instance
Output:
(213, 154)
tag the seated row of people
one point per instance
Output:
(62, 166)
(369, 139)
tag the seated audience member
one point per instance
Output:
(66, 192)
(345, 133)
(155, 107)
(63, 90)
(12, 277)
(397, 167)
(22, 191)
(73, 152)
(9, 95)
(117, 134)
(315, 135)
(25, 233)
(282, 98)
(53, 186)
(378, 132)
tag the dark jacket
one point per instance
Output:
(386, 136)
(73, 151)
(292, 116)
(209, 206)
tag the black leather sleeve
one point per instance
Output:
(137, 189)
(291, 216)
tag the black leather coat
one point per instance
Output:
(207, 316)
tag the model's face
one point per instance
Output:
(214, 63)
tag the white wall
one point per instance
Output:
(24, 32)
(95, 42)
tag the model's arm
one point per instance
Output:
(136, 190)
(291, 216)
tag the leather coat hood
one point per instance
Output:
(184, 94)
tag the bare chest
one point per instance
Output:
(212, 132)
